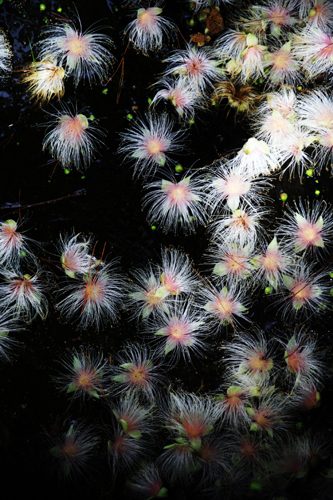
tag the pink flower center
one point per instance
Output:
(10, 236)
(236, 186)
(138, 375)
(272, 261)
(171, 283)
(147, 19)
(282, 60)
(296, 360)
(224, 307)
(72, 128)
(93, 291)
(236, 264)
(279, 16)
(263, 418)
(178, 331)
(86, 379)
(194, 427)
(302, 292)
(258, 362)
(309, 234)
(195, 67)
(78, 46)
(70, 450)
(22, 286)
(179, 195)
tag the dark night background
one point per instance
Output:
(109, 208)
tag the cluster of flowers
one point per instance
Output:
(291, 131)
(94, 289)
(223, 442)
(283, 42)
(172, 300)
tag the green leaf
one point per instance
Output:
(251, 40)
(71, 388)
(233, 390)
(123, 424)
(163, 493)
(135, 434)
(169, 348)
(170, 446)
(76, 363)
(119, 378)
(127, 366)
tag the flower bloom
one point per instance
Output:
(182, 95)
(199, 66)
(307, 291)
(177, 274)
(314, 48)
(284, 68)
(231, 261)
(45, 79)
(124, 451)
(24, 294)
(257, 158)
(139, 371)
(231, 405)
(72, 450)
(269, 414)
(147, 483)
(13, 244)
(272, 263)
(72, 139)
(133, 417)
(149, 142)
(149, 294)
(94, 298)
(180, 331)
(75, 257)
(233, 184)
(147, 30)
(242, 227)
(176, 205)
(250, 355)
(302, 358)
(252, 59)
(85, 374)
(225, 306)
(192, 417)
(307, 229)
(83, 55)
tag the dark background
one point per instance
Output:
(109, 208)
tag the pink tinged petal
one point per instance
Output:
(320, 242)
